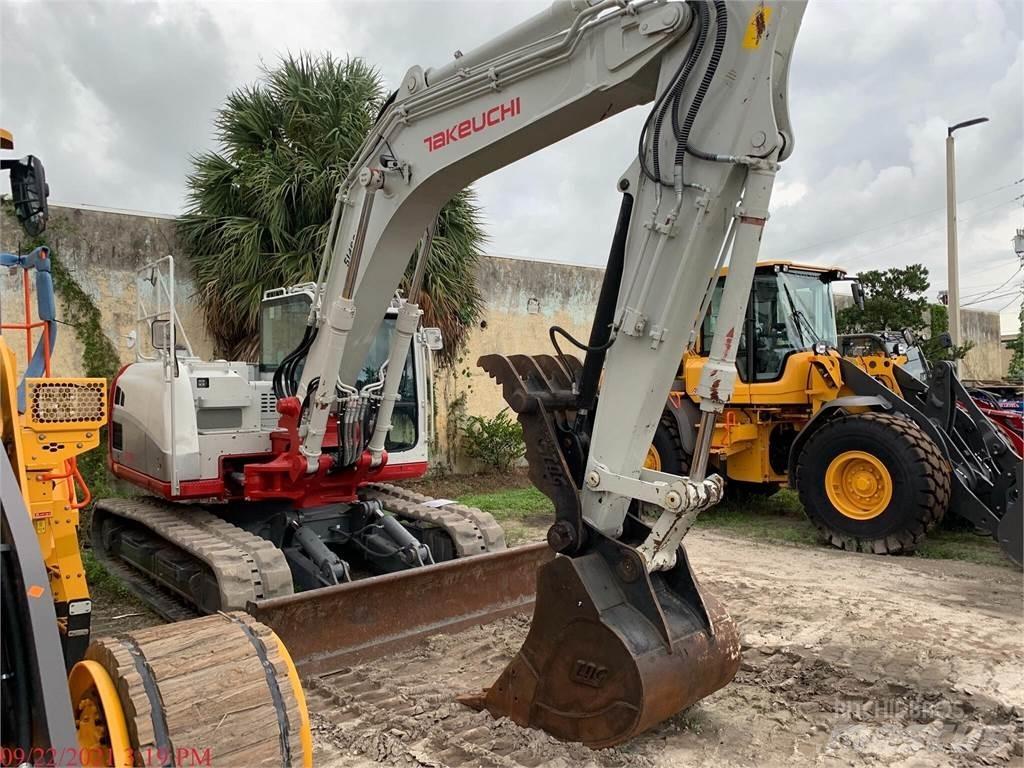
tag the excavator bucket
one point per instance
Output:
(613, 650)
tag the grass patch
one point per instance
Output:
(525, 513)
(512, 503)
(778, 518)
(945, 544)
(101, 580)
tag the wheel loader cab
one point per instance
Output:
(790, 319)
(790, 311)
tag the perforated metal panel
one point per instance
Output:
(53, 402)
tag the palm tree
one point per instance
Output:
(260, 207)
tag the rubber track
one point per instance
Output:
(930, 463)
(166, 604)
(246, 566)
(472, 530)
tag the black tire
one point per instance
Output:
(669, 446)
(920, 479)
(674, 459)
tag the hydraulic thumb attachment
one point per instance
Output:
(613, 650)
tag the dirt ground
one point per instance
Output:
(849, 660)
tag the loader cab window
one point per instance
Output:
(787, 312)
(282, 324)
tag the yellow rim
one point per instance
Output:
(306, 735)
(858, 485)
(653, 460)
(99, 719)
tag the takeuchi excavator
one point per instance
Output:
(622, 635)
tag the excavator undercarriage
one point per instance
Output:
(221, 557)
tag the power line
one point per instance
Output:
(977, 290)
(933, 230)
(901, 221)
(1015, 298)
(992, 298)
(1003, 284)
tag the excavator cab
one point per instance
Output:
(283, 316)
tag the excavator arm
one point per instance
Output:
(622, 635)
(719, 74)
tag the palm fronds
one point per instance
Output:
(259, 207)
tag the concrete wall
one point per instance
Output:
(523, 299)
(102, 251)
(985, 359)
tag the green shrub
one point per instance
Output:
(496, 442)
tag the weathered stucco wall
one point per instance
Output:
(102, 251)
(985, 359)
(523, 298)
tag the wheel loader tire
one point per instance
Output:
(666, 453)
(873, 482)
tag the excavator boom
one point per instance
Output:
(622, 635)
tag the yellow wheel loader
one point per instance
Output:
(221, 690)
(879, 445)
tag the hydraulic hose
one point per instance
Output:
(284, 377)
(670, 97)
(721, 30)
(697, 48)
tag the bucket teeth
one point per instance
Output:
(612, 650)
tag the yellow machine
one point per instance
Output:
(869, 446)
(163, 696)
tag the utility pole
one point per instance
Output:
(951, 253)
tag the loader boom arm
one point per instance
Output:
(698, 194)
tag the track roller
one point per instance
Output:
(219, 690)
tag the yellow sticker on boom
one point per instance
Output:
(757, 27)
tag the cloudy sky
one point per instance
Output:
(116, 96)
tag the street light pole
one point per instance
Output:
(951, 242)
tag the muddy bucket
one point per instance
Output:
(612, 650)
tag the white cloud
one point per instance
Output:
(126, 92)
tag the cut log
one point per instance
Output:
(217, 686)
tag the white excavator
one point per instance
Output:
(622, 636)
